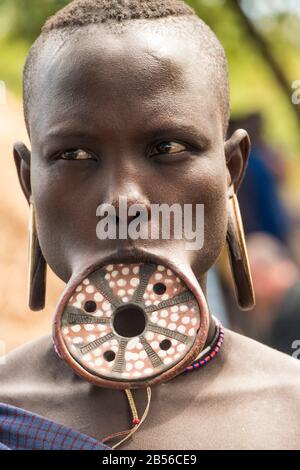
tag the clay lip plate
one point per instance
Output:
(86, 337)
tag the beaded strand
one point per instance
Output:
(202, 362)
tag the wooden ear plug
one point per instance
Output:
(238, 256)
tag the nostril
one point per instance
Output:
(123, 212)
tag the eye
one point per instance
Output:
(78, 154)
(168, 147)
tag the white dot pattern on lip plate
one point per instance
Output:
(168, 336)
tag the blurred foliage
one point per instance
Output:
(20, 24)
(253, 86)
(24, 18)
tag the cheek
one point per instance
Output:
(66, 216)
(211, 189)
(215, 226)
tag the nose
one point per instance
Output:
(128, 196)
(129, 208)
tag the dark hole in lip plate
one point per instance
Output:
(129, 320)
(90, 306)
(165, 344)
(159, 288)
(109, 356)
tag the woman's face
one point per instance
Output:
(132, 116)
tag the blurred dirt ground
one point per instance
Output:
(17, 323)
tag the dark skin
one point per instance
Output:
(124, 107)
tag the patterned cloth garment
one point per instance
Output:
(22, 430)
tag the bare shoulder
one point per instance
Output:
(30, 367)
(246, 357)
(249, 392)
(265, 384)
(31, 356)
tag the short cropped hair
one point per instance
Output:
(82, 13)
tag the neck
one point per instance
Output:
(211, 331)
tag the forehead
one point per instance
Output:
(97, 80)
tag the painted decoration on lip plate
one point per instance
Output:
(130, 322)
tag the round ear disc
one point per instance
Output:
(130, 325)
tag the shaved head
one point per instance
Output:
(116, 17)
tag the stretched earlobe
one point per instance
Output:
(37, 267)
(237, 151)
(22, 157)
(36, 260)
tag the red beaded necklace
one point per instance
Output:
(210, 352)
